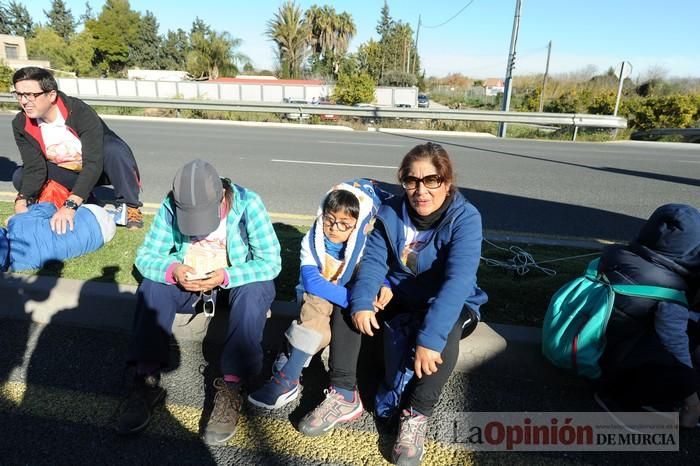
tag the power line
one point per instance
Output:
(453, 17)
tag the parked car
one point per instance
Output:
(327, 116)
(423, 101)
(296, 115)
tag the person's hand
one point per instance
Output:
(211, 281)
(426, 361)
(180, 276)
(364, 321)
(62, 220)
(214, 278)
(385, 295)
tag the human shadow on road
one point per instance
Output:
(636, 173)
(75, 384)
(525, 216)
(19, 296)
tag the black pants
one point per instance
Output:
(119, 170)
(424, 393)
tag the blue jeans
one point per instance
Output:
(157, 304)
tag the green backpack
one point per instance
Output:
(573, 332)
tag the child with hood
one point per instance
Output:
(648, 358)
(330, 252)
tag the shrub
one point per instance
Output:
(5, 77)
(353, 89)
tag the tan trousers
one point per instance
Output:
(316, 316)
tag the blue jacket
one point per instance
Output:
(666, 252)
(446, 268)
(29, 243)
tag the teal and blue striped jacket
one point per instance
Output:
(164, 244)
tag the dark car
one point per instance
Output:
(423, 101)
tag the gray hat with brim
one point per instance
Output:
(198, 193)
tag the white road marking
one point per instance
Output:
(307, 162)
(360, 144)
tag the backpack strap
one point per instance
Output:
(652, 292)
(659, 293)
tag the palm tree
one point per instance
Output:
(330, 35)
(345, 30)
(214, 54)
(291, 33)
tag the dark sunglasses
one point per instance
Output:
(430, 182)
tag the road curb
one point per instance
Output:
(110, 306)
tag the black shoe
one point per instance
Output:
(136, 411)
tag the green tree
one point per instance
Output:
(330, 37)
(87, 15)
(398, 79)
(5, 77)
(61, 19)
(354, 89)
(214, 54)
(385, 22)
(115, 30)
(48, 45)
(199, 26)
(81, 51)
(21, 23)
(369, 59)
(5, 24)
(146, 49)
(397, 50)
(291, 33)
(174, 50)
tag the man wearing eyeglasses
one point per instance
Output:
(62, 139)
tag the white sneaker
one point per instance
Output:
(118, 214)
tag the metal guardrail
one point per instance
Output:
(574, 120)
(688, 134)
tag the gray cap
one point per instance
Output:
(198, 193)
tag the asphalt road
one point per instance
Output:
(599, 190)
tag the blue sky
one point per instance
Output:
(652, 35)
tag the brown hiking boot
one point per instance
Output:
(134, 218)
(224, 416)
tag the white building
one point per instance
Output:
(13, 52)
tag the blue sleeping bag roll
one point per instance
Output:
(31, 242)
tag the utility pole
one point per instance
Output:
(619, 89)
(416, 46)
(544, 80)
(509, 70)
(619, 85)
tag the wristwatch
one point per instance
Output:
(71, 204)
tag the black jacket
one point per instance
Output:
(88, 127)
(665, 253)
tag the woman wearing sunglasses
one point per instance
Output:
(427, 243)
